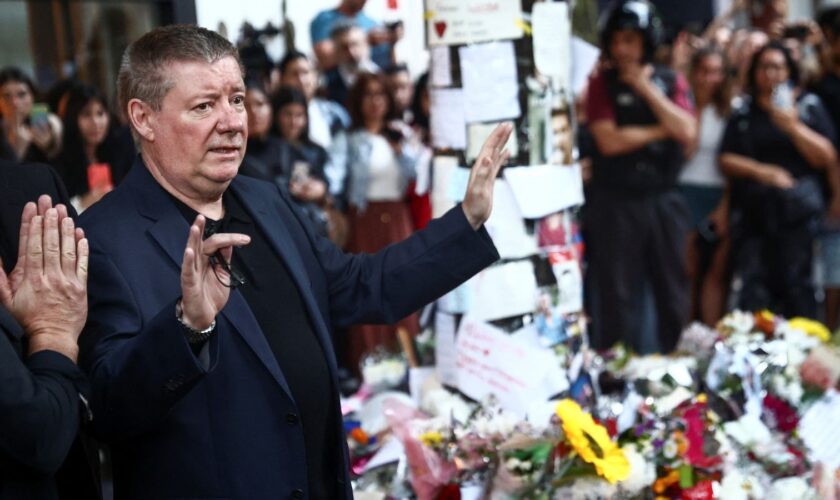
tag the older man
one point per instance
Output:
(212, 370)
(42, 313)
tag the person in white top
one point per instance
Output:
(704, 188)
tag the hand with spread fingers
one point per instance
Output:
(478, 200)
(205, 285)
(47, 290)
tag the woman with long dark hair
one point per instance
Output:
(94, 157)
(280, 151)
(775, 150)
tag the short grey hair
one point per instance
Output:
(143, 68)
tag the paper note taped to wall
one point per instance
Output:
(503, 291)
(457, 22)
(552, 32)
(488, 76)
(477, 133)
(448, 125)
(544, 189)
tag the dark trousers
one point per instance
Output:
(635, 244)
(776, 269)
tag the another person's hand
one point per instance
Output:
(43, 136)
(776, 176)
(478, 200)
(47, 290)
(313, 190)
(204, 289)
(637, 76)
(785, 119)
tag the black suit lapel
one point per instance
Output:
(170, 230)
(274, 227)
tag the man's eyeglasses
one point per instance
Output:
(230, 277)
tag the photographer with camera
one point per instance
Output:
(775, 149)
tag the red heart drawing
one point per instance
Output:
(440, 28)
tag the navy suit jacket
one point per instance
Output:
(41, 454)
(178, 430)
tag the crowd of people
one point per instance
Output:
(344, 132)
(713, 177)
(714, 169)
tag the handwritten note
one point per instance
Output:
(448, 123)
(544, 189)
(456, 22)
(488, 75)
(490, 361)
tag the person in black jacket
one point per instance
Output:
(43, 307)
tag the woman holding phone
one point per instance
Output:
(93, 158)
(32, 133)
(775, 150)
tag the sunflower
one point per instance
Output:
(811, 327)
(592, 442)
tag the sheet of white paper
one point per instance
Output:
(488, 76)
(584, 58)
(443, 168)
(492, 362)
(551, 32)
(477, 133)
(818, 429)
(423, 169)
(458, 184)
(448, 125)
(445, 353)
(502, 291)
(416, 378)
(457, 301)
(440, 67)
(472, 492)
(390, 452)
(545, 189)
(456, 22)
(506, 225)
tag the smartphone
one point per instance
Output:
(706, 230)
(99, 177)
(40, 115)
(782, 96)
(300, 172)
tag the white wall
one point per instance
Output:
(410, 50)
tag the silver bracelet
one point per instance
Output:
(193, 336)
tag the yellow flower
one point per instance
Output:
(582, 433)
(811, 327)
(431, 438)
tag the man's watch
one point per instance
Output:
(194, 337)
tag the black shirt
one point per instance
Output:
(277, 305)
(828, 89)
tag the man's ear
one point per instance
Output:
(142, 119)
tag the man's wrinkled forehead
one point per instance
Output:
(180, 71)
